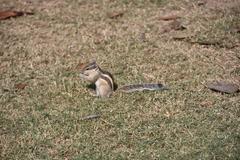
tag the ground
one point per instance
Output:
(43, 99)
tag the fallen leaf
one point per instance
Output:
(20, 86)
(174, 25)
(206, 104)
(113, 15)
(169, 17)
(210, 43)
(9, 14)
(224, 87)
(181, 37)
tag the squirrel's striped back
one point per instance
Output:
(141, 87)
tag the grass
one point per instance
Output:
(43, 120)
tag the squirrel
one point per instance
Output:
(104, 81)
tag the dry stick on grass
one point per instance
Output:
(214, 43)
(89, 117)
(205, 43)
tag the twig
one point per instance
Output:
(89, 117)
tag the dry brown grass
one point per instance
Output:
(43, 119)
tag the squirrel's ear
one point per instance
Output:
(93, 61)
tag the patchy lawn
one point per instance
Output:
(42, 99)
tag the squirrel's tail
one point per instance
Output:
(141, 87)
